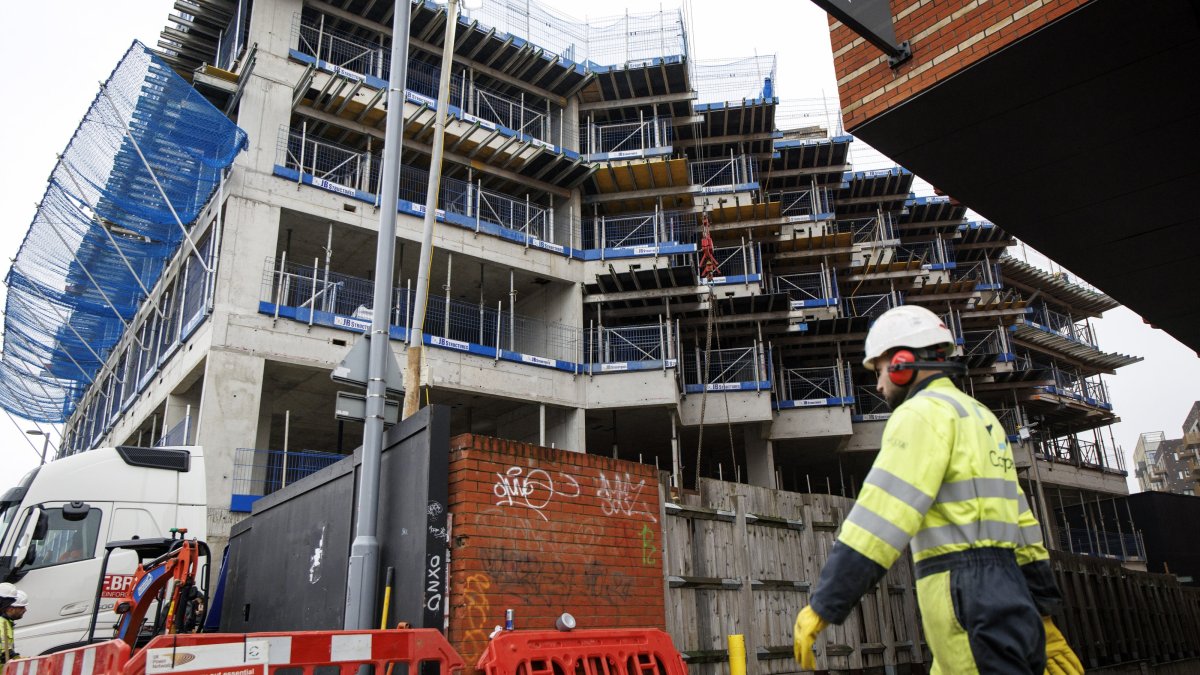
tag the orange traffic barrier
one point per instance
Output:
(103, 658)
(627, 651)
(299, 652)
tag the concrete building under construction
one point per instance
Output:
(584, 166)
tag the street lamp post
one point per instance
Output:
(45, 442)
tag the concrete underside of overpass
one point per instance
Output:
(1082, 139)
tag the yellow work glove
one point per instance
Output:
(1060, 660)
(804, 634)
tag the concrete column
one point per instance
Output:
(228, 419)
(571, 124)
(251, 230)
(266, 101)
(565, 429)
(760, 455)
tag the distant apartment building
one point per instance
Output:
(1170, 465)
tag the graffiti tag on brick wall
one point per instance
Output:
(648, 547)
(620, 496)
(533, 488)
(477, 606)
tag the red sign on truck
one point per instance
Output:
(116, 585)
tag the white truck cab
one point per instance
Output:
(55, 522)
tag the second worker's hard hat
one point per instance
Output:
(905, 326)
(7, 590)
(22, 600)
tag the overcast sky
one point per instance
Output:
(58, 52)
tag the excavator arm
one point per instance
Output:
(173, 572)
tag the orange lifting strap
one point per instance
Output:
(708, 260)
(624, 651)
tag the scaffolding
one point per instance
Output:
(597, 43)
(746, 79)
(140, 168)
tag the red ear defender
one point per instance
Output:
(897, 373)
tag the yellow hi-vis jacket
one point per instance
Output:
(8, 647)
(945, 480)
(945, 474)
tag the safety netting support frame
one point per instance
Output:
(135, 176)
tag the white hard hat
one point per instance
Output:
(22, 600)
(905, 326)
(7, 590)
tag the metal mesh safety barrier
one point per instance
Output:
(139, 169)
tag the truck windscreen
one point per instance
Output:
(10, 502)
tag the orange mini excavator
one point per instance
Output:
(166, 573)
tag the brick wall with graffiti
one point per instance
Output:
(542, 532)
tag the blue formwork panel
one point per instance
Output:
(810, 218)
(820, 302)
(242, 503)
(351, 324)
(763, 385)
(735, 279)
(815, 403)
(627, 366)
(672, 248)
(620, 155)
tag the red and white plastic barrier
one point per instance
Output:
(103, 658)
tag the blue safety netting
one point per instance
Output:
(104, 231)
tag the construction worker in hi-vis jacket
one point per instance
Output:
(945, 480)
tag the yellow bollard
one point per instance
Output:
(737, 655)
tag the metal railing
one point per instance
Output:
(626, 137)
(1009, 419)
(289, 284)
(260, 472)
(1063, 324)
(736, 260)
(360, 56)
(626, 344)
(734, 79)
(725, 367)
(806, 286)
(869, 306)
(867, 401)
(1105, 544)
(716, 175)
(806, 384)
(362, 171)
(608, 41)
(1095, 454)
(868, 229)
(981, 342)
(327, 161)
(802, 202)
(982, 273)
(179, 434)
(935, 252)
(639, 229)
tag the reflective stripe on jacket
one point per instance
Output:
(945, 480)
(7, 640)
